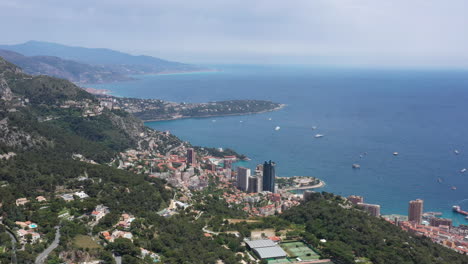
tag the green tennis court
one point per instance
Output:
(299, 250)
(279, 261)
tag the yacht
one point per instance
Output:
(395, 153)
(314, 127)
(318, 136)
(277, 128)
(463, 170)
(356, 166)
(456, 152)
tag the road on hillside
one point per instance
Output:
(43, 256)
(13, 246)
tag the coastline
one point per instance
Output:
(221, 115)
(96, 91)
(182, 72)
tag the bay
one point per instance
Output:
(419, 113)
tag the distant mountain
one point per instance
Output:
(66, 69)
(113, 60)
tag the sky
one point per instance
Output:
(336, 32)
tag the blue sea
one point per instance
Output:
(421, 114)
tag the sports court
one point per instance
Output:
(299, 250)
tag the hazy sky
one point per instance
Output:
(385, 32)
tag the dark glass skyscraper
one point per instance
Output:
(269, 176)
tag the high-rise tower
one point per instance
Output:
(269, 176)
(415, 211)
(191, 156)
(243, 175)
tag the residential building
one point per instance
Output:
(372, 209)
(255, 184)
(227, 164)
(126, 221)
(21, 201)
(191, 156)
(259, 170)
(23, 235)
(435, 221)
(243, 175)
(81, 194)
(355, 199)
(415, 211)
(41, 199)
(100, 212)
(68, 197)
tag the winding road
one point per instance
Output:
(209, 231)
(43, 256)
(13, 246)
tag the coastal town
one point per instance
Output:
(420, 223)
(191, 172)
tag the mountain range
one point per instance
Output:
(86, 65)
(66, 69)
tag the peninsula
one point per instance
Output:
(158, 110)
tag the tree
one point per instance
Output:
(123, 246)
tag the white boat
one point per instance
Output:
(395, 153)
(314, 127)
(318, 136)
(456, 152)
(277, 128)
(241, 121)
(269, 118)
(356, 166)
(463, 170)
